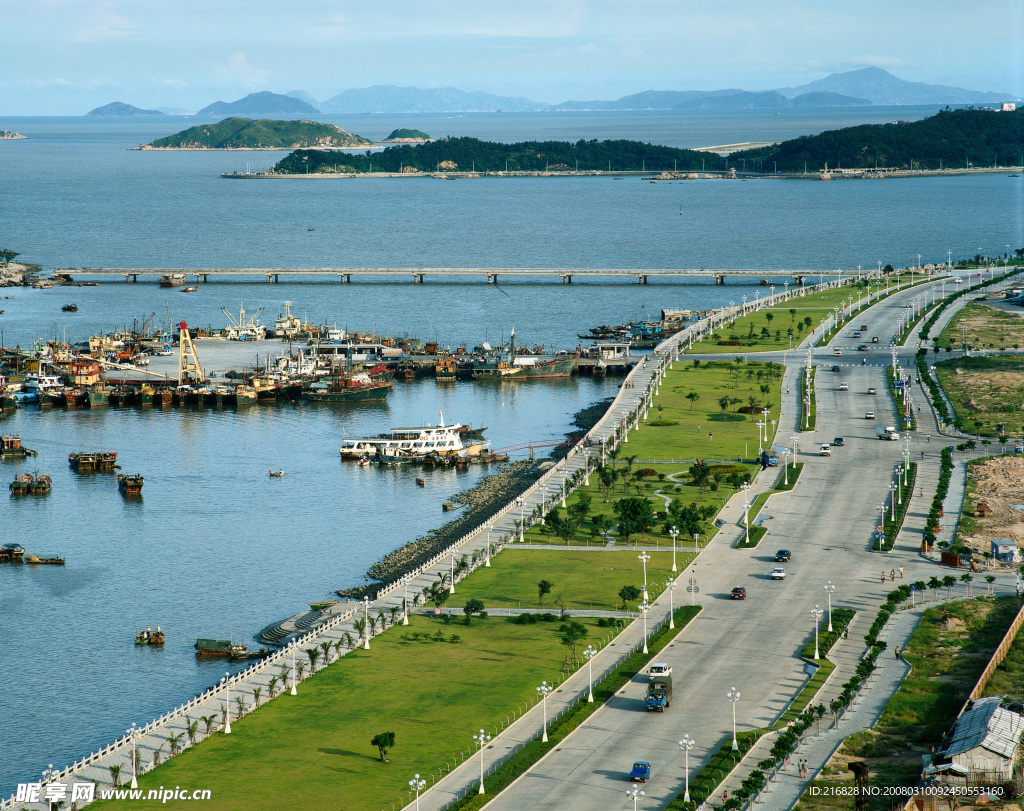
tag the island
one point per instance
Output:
(247, 133)
(406, 136)
(119, 108)
(7, 135)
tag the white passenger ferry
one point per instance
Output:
(408, 443)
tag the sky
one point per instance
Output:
(66, 57)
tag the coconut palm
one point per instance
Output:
(300, 668)
(272, 686)
(240, 703)
(381, 618)
(360, 626)
(338, 646)
(209, 721)
(314, 655)
(285, 670)
(394, 613)
(191, 727)
(256, 693)
(373, 626)
(350, 641)
(157, 754)
(326, 648)
(174, 741)
(115, 774)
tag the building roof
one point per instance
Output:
(988, 725)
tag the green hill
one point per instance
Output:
(246, 133)
(402, 134)
(947, 140)
(471, 154)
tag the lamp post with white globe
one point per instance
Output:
(227, 706)
(133, 733)
(417, 785)
(590, 652)
(675, 534)
(816, 613)
(643, 607)
(635, 794)
(733, 695)
(481, 739)
(829, 588)
(366, 622)
(643, 557)
(670, 586)
(686, 744)
(543, 691)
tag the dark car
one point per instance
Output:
(862, 347)
(838, 441)
(835, 367)
(782, 556)
(641, 771)
(739, 593)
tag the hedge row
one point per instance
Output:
(934, 392)
(890, 375)
(558, 730)
(931, 524)
(841, 617)
(758, 532)
(808, 417)
(906, 491)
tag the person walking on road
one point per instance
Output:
(896, 652)
(901, 572)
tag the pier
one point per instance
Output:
(491, 275)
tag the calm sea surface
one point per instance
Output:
(214, 547)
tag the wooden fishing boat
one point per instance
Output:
(93, 460)
(322, 604)
(130, 483)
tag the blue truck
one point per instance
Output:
(659, 687)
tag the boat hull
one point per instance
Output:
(548, 370)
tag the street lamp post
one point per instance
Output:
(816, 613)
(696, 546)
(291, 645)
(405, 599)
(522, 527)
(634, 794)
(686, 744)
(133, 733)
(892, 500)
(675, 534)
(543, 691)
(643, 607)
(829, 588)
(481, 739)
(693, 588)
(227, 708)
(785, 468)
(733, 695)
(590, 652)
(417, 785)
(50, 774)
(451, 585)
(795, 440)
(487, 551)
(670, 586)
(746, 514)
(643, 557)
(366, 622)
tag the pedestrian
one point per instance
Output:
(928, 437)
(883, 576)
(698, 427)
(896, 652)
(901, 572)
(725, 797)
(892, 574)
(922, 454)
(846, 632)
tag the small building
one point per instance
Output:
(609, 350)
(982, 747)
(1007, 107)
(1005, 550)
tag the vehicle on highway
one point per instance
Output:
(835, 367)
(824, 449)
(870, 415)
(782, 556)
(771, 459)
(862, 347)
(779, 573)
(837, 352)
(739, 593)
(659, 687)
(872, 390)
(844, 386)
(838, 442)
(874, 340)
(863, 327)
(888, 432)
(855, 335)
(641, 771)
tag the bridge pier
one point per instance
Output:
(641, 278)
(799, 279)
(272, 278)
(345, 278)
(492, 278)
(719, 279)
(206, 278)
(131, 277)
(417, 278)
(566, 278)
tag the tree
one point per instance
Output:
(635, 515)
(966, 580)
(115, 774)
(472, 607)
(314, 655)
(174, 741)
(949, 581)
(383, 741)
(208, 721)
(628, 594)
(7, 255)
(693, 397)
(606, 476)
(191, 727)
(543, 587)
(700, 475)
(723, 403)
(326, 648)
(256, 693)
(580, 509)
(572, 633)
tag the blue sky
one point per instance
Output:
(65, 57)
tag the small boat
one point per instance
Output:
(227, 649)
(99, 460)
(70, 308)
(275, 473)
(52, 560)
(421, 483)
(448, 506)
(322, 604)
(172, 280)
(189, 289)
(147, 637)
(363, 461)
(12, 551)
(130, 483)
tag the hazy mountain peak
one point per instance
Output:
(260, 105)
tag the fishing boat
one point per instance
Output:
(10, 447)
(11, 552)
(322, 604)
(446, 368)
(412, 442)
(155, 638)
(243, 395)
(70, 308)
(275, 473)
(51, 560)
(189, 289)
(172, 280)
(501, 364)
(227, 649)
(369, 385)
(35, 485)
(93, 460)
(130, 484)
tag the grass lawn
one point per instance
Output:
(313, 751)
(987, 328)
(947, 652)
(582, 579)
(985, 392)
(687, 420)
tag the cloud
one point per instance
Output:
(105, 26)
(177, 84)
(886, 62)
(240, 71)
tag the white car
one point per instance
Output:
(870, 415)
(824, 449)
(844, 387)
(779, 573)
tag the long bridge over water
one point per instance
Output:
(419, 275)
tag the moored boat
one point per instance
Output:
(353, 387)
(40, 485)
(11, 552)
(228, 649)
(322, 604)
(172, 280)
(507, 364)
(10, 447)
(130, 483)
(411, 443)
(93, 460)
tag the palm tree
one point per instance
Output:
(115, 774)
(209, 720)
(360, 626)
(373, 626)
(285, 670)
(256, 693)
(157, 754)
(272, 687)
(313, 654)
(174, 741)
(394, 614)
(337, 646)
(693, 397)
(381, 618)
(240, 703)
(326, 648)
(191, 727)
(350, 641)
(300, 668)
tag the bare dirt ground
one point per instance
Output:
(999, 483)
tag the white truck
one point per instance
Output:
(887, 432)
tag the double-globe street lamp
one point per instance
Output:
(829, 588)
(481, 739)
(643, 557)
(590, 652)
(686, 744)
(733, 695)
(816, 613)
(543, 691)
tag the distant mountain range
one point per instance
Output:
(867, 86)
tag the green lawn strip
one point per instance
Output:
(890, 527)
(768, 329)
(947, 652)
(560, 729)
(891, 378)
(305, 751)
(579, 579)
(808, 415)
(701, 399)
